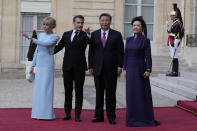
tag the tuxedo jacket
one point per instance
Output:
(110, 57)
(74, 55)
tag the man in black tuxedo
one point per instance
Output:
(105, 63)
(74, 65)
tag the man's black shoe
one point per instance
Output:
(172, 74)
(113, 122)
(78, 119)
(97, 120)
(67, 117)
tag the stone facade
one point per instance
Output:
(9, 31)
(64, 10)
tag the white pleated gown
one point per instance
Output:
(42, 107)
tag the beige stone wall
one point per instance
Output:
(91, 9)
(189, 53)
(188, 16)
(43, 6)
(65, 10)
(62, 12)
(119, 15)
(9, 31)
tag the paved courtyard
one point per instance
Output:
(17, 92)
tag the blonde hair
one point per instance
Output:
(51, 21)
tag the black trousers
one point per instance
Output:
(175, 65)
(76, 77)
(107, 82)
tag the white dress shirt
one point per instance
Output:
(106, 33)
(73, 34)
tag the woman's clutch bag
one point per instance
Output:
(31, 77)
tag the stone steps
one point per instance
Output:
(190, 75)
(193, 69)
(167, 58)
(166, 63)
(161, 63)
(9, 67)
(174, 88)
(164, 69)
(184, 81)
(167, 98)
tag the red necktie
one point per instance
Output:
(104, 39)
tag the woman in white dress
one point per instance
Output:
(43, 60)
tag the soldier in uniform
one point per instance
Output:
(176, 32)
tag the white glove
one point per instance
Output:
(176, 42)
(167, 25)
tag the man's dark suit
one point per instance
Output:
(74, 67)
(105, 62)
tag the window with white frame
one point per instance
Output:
(135, 8)
(30, 22)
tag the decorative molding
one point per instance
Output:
(38, 6)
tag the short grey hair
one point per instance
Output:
(50, 21)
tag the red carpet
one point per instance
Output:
(172, 119)
(191, 106)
